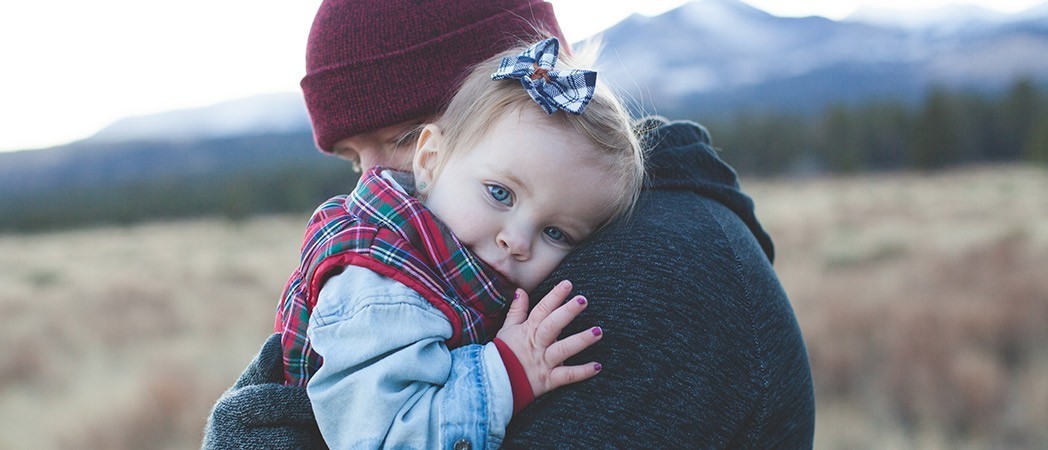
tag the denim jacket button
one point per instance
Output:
(463, 444)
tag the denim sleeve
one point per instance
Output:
(389, 380)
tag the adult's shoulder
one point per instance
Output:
(680, 157)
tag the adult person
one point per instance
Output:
(701, 348)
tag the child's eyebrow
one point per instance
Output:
(506, 173)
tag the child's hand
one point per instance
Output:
(533, 339)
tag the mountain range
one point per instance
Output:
(717, 57)
(705, 60)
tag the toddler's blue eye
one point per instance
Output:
(554, 234)
(500, 194)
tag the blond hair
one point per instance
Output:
(605, 123)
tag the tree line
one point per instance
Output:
(132, 182)
(948, 128)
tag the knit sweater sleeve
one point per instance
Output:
(260, 412)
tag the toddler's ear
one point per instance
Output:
(427, 159)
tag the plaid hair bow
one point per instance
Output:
(570, 90)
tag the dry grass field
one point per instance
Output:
(923, 300)
(924, 304)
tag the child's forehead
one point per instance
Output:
(532, 126)
(527, 151)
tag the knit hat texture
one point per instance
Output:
(375, 63)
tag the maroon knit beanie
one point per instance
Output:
(375, 63)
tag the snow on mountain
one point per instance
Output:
(1034, 13)
(993, 61)
(713, 45)
(944, 19)
(265, 114)
(738, 23)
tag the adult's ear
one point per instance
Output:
(428, 155)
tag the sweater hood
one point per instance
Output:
(680, 158)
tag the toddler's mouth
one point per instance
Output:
(505, 278)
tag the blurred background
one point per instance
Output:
(157, 168)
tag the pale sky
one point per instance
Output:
(70, 67)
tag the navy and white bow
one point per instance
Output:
(570, 90)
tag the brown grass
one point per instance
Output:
(923, 300)
(124, 337)
(924, 304)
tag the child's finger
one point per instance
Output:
(564, 375)
(550, 302)
(572, 345)
(548, 330)
(518, 308)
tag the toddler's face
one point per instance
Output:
(522, 197)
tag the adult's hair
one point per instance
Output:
(375, 63)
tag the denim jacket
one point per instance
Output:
(388, 379)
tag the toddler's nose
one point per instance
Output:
(516, 244)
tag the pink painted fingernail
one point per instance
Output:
(597, 331)
(581, 300)
(516, 294)
(597, 367)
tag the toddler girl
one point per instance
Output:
(388, 320)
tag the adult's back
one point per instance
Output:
(701, 346)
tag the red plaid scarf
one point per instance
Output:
(384, 229)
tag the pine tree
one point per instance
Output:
(936, 137)
(1036, 149)
(1018, 113)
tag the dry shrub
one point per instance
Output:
(238, 276)
(21, 361)
(839, 349)
(126, 313)
(924, 304)
(166, 411)
(933, 376)
(982, 384)
(44, 278)
(949, 349)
